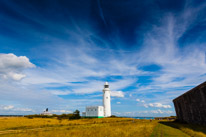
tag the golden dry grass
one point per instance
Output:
(104, 127)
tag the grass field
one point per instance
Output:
(104, 127)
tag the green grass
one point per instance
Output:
(190, 129)
(162, 130)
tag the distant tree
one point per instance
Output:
(113, 116)
(38, 116)
(76, 114)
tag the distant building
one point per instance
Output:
(95, 111)
(46, 112)
(191, 106)
(100, 111)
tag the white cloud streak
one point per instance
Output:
(61, 111)
(119, 94)
(11, 108)
(144, 113)
(139, 100)
(158, 105)
(7, 107)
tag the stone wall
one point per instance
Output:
(191, 106)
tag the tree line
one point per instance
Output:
(74, 115)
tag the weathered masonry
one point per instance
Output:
(190, 107)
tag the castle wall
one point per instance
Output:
(191, 106)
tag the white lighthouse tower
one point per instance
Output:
(106, 100)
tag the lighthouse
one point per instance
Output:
(106, 100)
(100, 111)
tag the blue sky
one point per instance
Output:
(58, 54)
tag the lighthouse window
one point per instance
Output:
(106, 86)
(106, 97)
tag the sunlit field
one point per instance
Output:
(103, 127)
(114, 127)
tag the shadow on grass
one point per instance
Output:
(179, 125)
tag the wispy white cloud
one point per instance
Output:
(61, 111)
(182, 66)
(145, 105)
(95, 86)
(24, 109)
(7, 107)
(139, 100)
(143, 113)
(11, 108)
(56, 92)
(119, 94)
(159, 105)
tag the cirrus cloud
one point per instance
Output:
(119, 94)
(158, 105)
